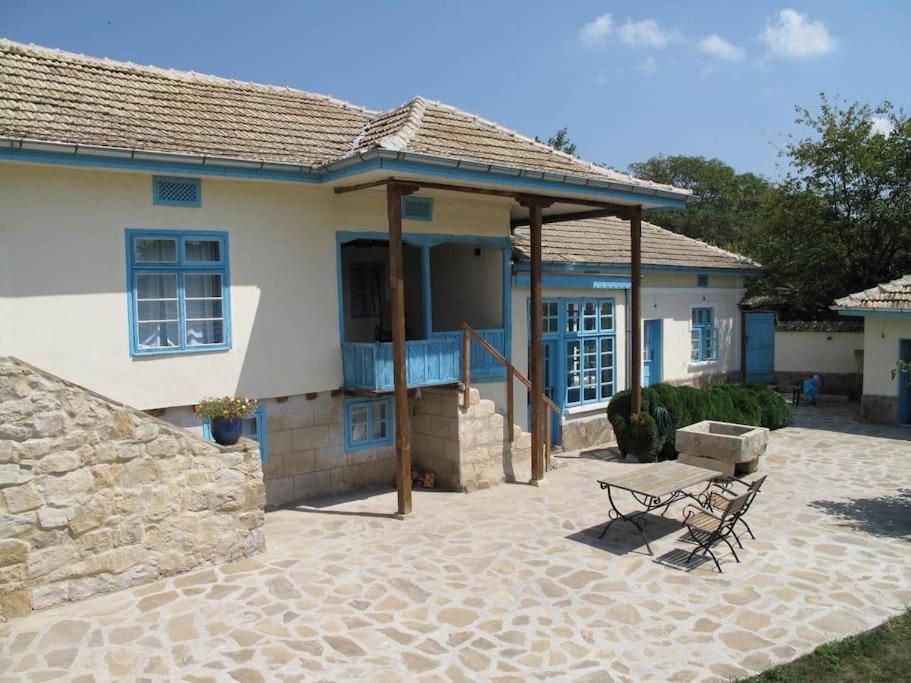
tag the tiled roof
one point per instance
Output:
(57, 96)
(889, 296)
(847, 325)
(607, 240)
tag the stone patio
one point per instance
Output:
(511, 583)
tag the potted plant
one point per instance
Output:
(225, 415)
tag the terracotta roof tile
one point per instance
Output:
(57, 96)
(889, 296)
(607, 240)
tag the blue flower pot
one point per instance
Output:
(226, 430)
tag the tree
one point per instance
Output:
(728, 201)
(560, 141)
(841, 221)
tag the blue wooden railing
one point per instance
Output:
(438, 360)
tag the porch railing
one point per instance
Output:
(483, 364)
(368, 365)
(470, 337)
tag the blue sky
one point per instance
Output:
(629, 80)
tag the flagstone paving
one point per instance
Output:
(512, 583)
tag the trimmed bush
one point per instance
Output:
(670, 408)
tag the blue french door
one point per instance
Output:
(551, 390)
(651, 352)
(904, 378)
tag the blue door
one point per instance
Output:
(904, 378)
(551, 375)
(760, 346)
(651, 352)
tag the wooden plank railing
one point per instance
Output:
(511, 374)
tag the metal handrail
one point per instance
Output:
(511, 373)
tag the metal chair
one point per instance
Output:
(718, 501)
(707, 530)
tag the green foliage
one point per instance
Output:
(225, 406)
(560, 141)
(670, 408)
(839, 222)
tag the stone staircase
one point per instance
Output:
(468, 449)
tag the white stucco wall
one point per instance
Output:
(881, 347)
(65, 278)
(817, 351)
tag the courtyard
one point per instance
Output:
(512, 583)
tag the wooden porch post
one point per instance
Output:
(636, 309)
(394, 194)
(535, 207)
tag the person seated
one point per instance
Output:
(808, 387)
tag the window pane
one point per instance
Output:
(205, 332)
(379, 429)
(155, 250)
(156, 286)
(379, 411)
(572, 316)
(197, 251)
(198, 285)
(157, 310)
(359, 420)
(589, 317)
(157, 335)
(203, 308)
(695, 344)
(607, 316)
(250, 428)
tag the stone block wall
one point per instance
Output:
(468, 449)
(879, 409)
(305, 438)
(96, 496)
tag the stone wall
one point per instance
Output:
(879, 409)
(305, 439)
(468, 449)
(96, 496)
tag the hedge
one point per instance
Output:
(667, 408)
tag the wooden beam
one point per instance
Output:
(535, 207)
(636, 310)
(619, 212)
(521, 197)
(394, 195)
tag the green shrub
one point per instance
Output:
(670, 408)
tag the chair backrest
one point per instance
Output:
(757, 484)
(735, 507)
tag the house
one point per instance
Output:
(886, 313)
(167, 236)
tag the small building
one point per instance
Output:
(886, 312)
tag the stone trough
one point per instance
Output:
(722, 446)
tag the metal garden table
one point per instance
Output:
(654, 486)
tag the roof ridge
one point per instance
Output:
(871, 292)
(180, 74)
(399, 140)
(617, 175)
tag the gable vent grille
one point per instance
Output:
(417, 208)
(176, 191)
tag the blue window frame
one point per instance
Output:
(417, 208)
(589, 344)
(703, 335)
(368, 423)
(702, 280)
(176, 191)
(254, 427)
(178, 291)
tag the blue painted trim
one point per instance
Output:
(507, 302)
(418, 239)
(427, 296)
(180, 268)
(704, 327)
(409, 203)
(570, 281)
(702, 280)
(158, 180)
(606, 268)
(340, 287)
(875, 314)
(260, 415)
(371, 443)
(427, 169)
(657, 344)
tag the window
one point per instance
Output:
(417, 208)
(590, 351)
(176, 191)
(254, 428)
(367, 290)
(703, 335)
(368, 423)
(702, 280)
(178, 291)
(551, 314)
